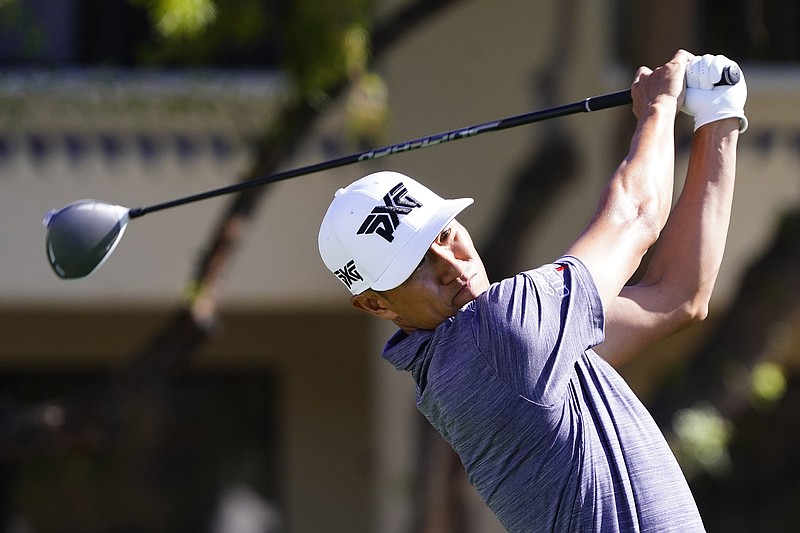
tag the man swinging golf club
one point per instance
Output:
(515, 375)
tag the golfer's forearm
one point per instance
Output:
(633, 206)
(691, 247)
(645, 177)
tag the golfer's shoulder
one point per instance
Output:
(540, 302)
(543, 286)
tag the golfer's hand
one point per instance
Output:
(665, 82)
(708, 103)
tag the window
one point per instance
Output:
(162, 458)
(118, 33)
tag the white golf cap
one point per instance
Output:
(378, 229)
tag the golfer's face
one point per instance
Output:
(450, 275)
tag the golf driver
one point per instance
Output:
(82, 235)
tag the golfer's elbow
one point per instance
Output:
(693, 307)
(638, 214)
(651, 219)
(682, 297)
(696, 311)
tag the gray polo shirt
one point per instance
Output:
(549, 434)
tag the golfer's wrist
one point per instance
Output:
(719, 129)
(665, 103)
(663, 108)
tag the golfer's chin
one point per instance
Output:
(471, 290)
(461, 299)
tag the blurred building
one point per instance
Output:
(291, 400)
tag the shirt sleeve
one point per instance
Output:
(533, 328)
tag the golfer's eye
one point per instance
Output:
(445, 234)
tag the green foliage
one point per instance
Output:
(368, 110)
(200, 32)
(768, 383)
(322, 43)
(177, 18)
(326, 42)
(702, 438)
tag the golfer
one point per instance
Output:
(517, 375)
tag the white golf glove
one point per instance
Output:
(707, 102)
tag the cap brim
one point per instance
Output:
(409, 257)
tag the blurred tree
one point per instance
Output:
(174, 19)
(324, 46)
(744, 378)
(224, 33)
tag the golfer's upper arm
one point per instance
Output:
(638, 317)
(634, 316)
(612, 248)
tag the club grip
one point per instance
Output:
(730, 76)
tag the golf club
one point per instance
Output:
(82, 235)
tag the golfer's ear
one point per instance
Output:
(371, 302)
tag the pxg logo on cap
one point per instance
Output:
(384, 219)
(378, 229)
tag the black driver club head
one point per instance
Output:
(81, 236)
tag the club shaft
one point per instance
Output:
(593, 103)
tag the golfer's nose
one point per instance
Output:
(445, 264)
